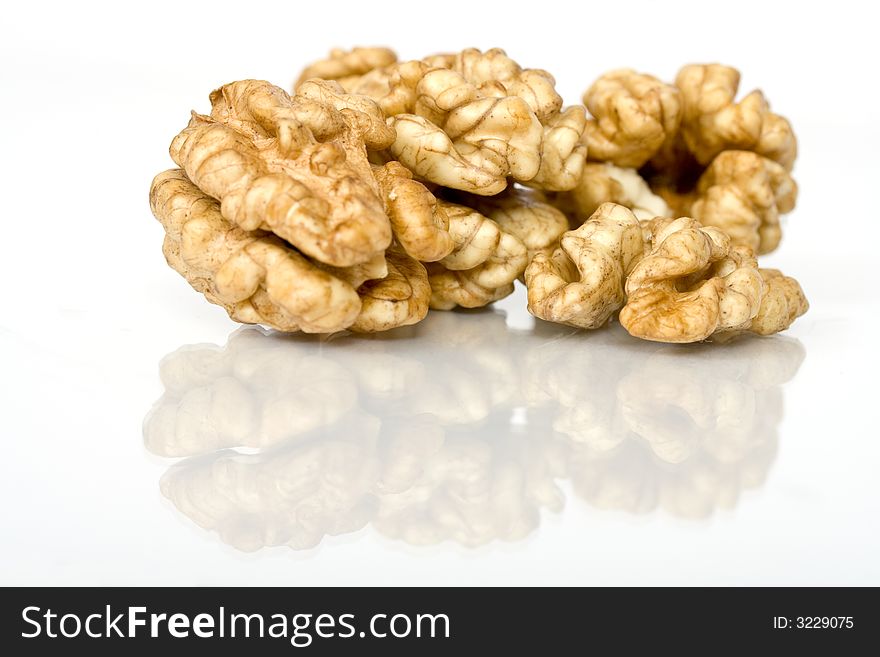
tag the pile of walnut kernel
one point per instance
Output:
(380, 189)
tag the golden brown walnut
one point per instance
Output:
(582, 282)
(693, 283)
(399, 299)
(472, 120)
(393, 87)
(259, 279)
(713, 122)
(419, 222)
(294, 166)
(525, 214)
(784, 301)
(743, 194)
(606, 183)
(562, 150)
(255, 276)
(482, 266)
(347, 66)
(635, 114)
(675, 133)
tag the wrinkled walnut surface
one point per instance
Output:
(346, 67)
(469, 121)
(635, 114)
(605, 183)
(381, 188)
(294, 166)
(683, 137)
(744, 194)
(260, 279)
(483, 265)
(419, 222)
(581, 282)
(693, 283)
(524, 213)
(712, 121)
(255, 276)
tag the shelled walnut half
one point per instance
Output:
(260, 279)
(472, 119)
(277, 215)
(694, 284)
(582, 282)
(723, 162)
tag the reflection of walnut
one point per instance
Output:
(244, 396)
(605, 183)
(472, 120)
(581, 283)
(743, 194)
(478, 423)
(469, 491)
(293, 496)
(712, 122)
(581, 408)
(482, 266)
(347, 66)
(457, 371)
(655, 427)
(693, 283)
(681, 405)
(635, 114)
(427, 472)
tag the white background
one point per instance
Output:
(91, 97)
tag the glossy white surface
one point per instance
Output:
(476, 448)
